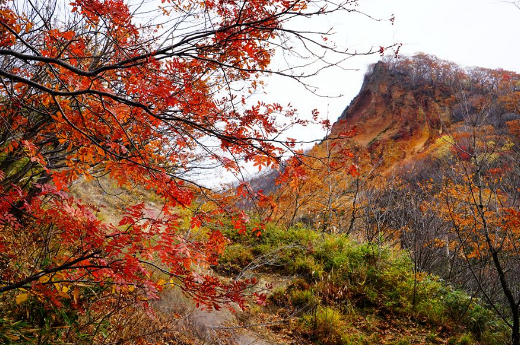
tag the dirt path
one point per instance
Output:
(219, 327)
(215, 327)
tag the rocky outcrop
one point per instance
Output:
(396, 117)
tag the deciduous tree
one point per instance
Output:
(93, 87)
(480, 204)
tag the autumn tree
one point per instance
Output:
(471, 181)
(313, 185)
(480, 205)
(149, 95)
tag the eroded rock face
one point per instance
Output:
(395, 116)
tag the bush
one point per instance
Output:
(279, 297)
(235, 258)
(307, 267)
(304, 299)
(465, 339)
(479, 319)
(336, 274)
(325, 326)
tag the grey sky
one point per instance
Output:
(468, 32)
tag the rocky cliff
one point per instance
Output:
(395, 116)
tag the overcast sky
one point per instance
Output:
(480, 33)
(468, 32)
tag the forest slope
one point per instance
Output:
(425, 159)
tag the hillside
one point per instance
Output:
(400, 227)
(364, 243)
(405, 105)
(362, 248)
(424, 159)
(407, 115)
(394, 119)
(330, 289)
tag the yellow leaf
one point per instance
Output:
(43, 279)
(76, 294)
(131, 288)
(21, 298)
(161, 282)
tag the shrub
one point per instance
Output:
(479, 319)
(335, 274)
(304, 299)
(235, 258)
(279, 297)
(307, 267)
(465, 339)
(325, 326)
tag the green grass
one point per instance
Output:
(339, 282)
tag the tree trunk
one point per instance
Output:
(515, 334)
